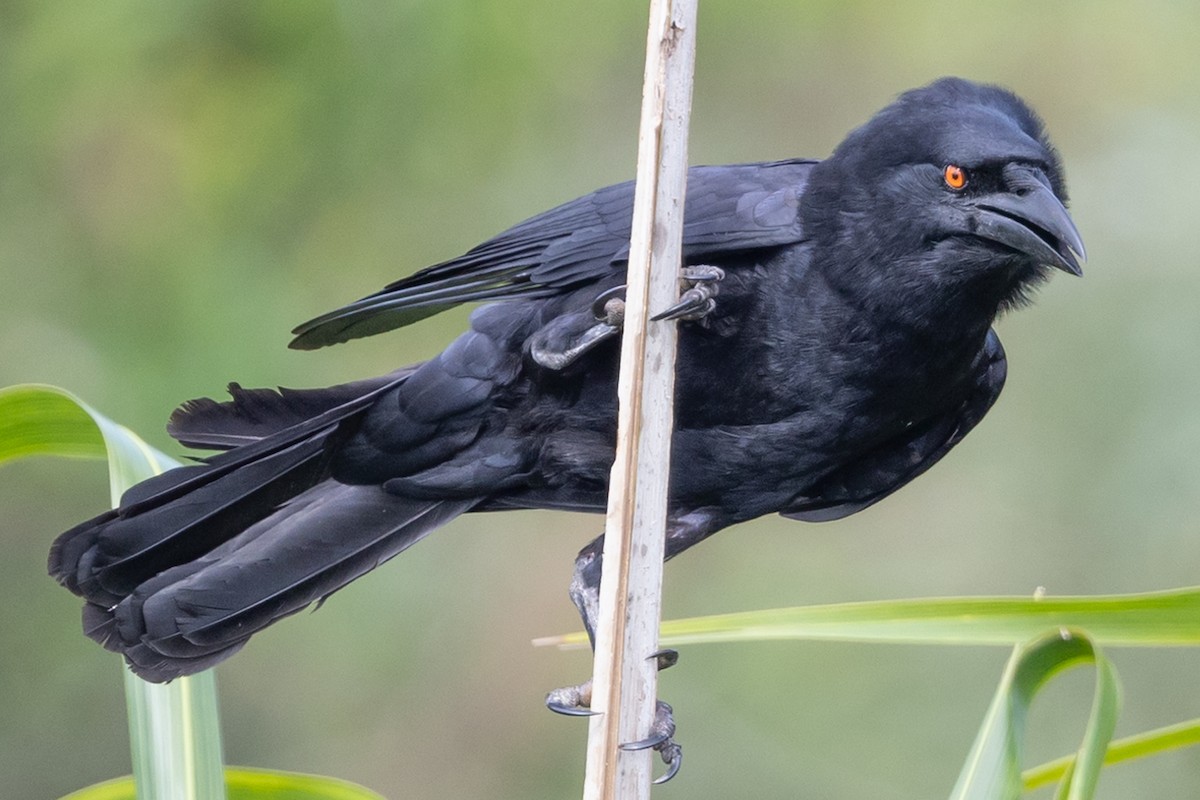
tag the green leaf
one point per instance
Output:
(248, 784)
(255, 784)
(174, 729)
(46, 420)
(993, 768)
(175, 737)
(1140, 745)
(1150, 619)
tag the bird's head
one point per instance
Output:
(951, 195)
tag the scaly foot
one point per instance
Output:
(575, 701)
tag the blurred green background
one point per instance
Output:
(181, 183)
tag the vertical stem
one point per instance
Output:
(175, 738)
(174, 728)
(624, 678)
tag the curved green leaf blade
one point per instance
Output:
(248, 784)
(174, 729)
(993, 768)
(41, 420)
(46, 420)
(1149, 619)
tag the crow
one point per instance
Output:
(835, 342)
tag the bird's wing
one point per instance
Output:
(884, 470)
(728, 209)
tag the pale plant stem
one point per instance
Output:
(624, 677)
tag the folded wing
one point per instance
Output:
(728, 209)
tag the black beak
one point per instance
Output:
(1031, 219)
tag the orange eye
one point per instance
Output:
(955, 176)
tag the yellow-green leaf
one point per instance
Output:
(1149, 619)
(242, 783)
(46, 420)
(1139, 745)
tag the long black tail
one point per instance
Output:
(195, 561)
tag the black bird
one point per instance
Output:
(836, 342)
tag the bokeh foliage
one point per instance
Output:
(180, 183)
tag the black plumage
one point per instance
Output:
(849, 349)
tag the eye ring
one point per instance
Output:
(955, 177)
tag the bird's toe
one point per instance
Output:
(572, 701)
(660, 740)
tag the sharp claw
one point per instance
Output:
(572, 701)
(696, 301)
(659, 739)
(609, 306)
(653, 740)
(693, 304)
(702, 273)
(673, 756)
(570, 711)
(665, 657)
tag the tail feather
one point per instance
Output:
(99, 625)
(162, 489)
(196, 560)
(331, 558)
(236, 487)
(183, 618)
(215, 420)
(113, 556)
(254, 414)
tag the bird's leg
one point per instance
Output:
(682, 532)
(562, 341)
(576, 700)
(699, 286)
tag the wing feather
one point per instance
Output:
(729, 209)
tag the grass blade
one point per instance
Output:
(248, 784)
(48, 421)
(1167, 618)
(1147, 743)
(174, 728)
(993, 768)
(175, 737)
